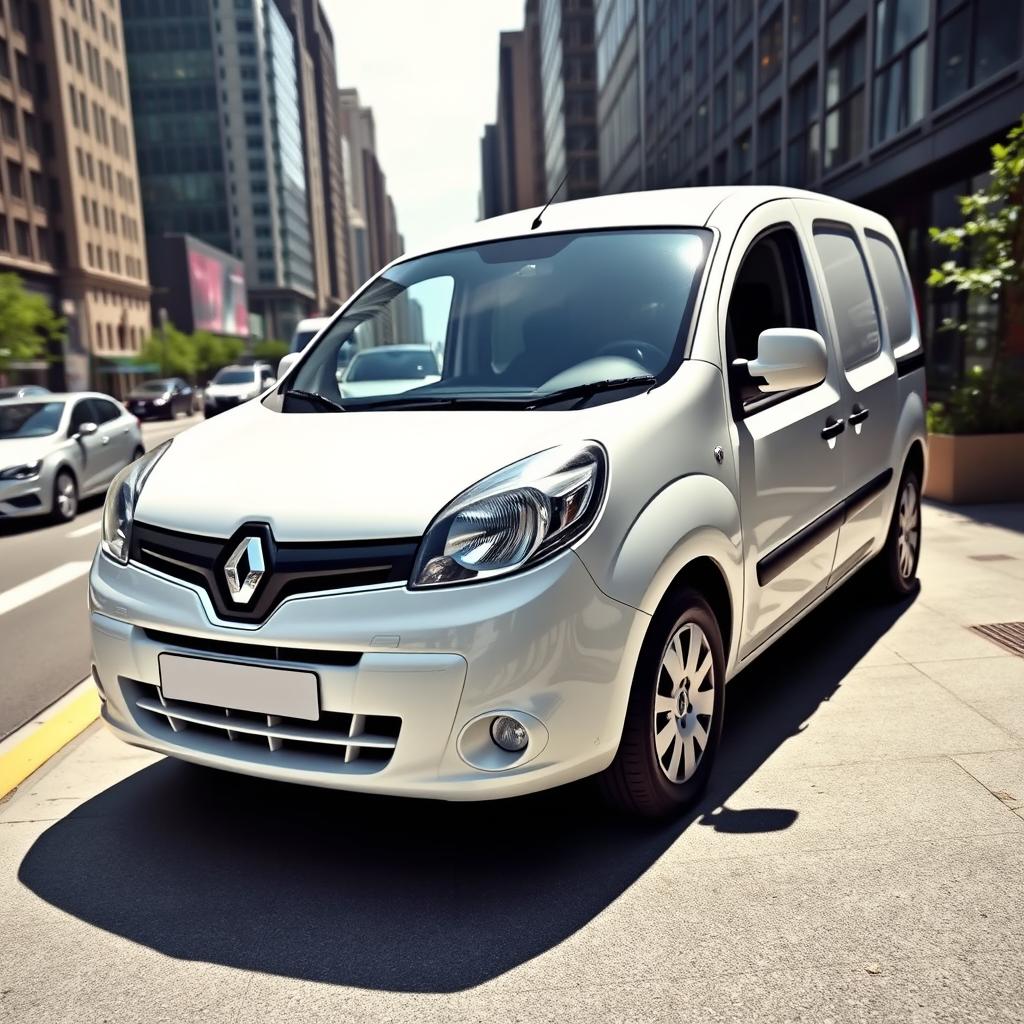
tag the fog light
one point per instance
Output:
(509, 734)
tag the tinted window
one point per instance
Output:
(235, 377)
(770, 291)
(30, 419)
(105, 410)
(81, 413)
(853, 305)
(389, 364)
(893, 290)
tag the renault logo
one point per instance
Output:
(245, 569)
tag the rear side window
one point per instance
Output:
(104, 410)
(853, 304)
(893, 290)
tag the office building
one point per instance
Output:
(568, 97)
(229, 141)
(70, 219)
(619, 122)
(892, 104)
(374, 239)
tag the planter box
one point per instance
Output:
(968, 468)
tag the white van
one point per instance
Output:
(306, 331)
(665, 426)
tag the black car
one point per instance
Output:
(161, 399)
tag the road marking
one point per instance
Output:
(50, 731)
(31, 589)
(83, 530)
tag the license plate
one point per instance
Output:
(266, 691)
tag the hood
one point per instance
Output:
(340, 476)
(18, 451)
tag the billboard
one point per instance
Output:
(217, 286)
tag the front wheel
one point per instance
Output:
(65, 498)
(674, 718)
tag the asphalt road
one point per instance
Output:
(44, 633)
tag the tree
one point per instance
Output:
(987, 263)
(270, 350)
(27, 324)
(171, 350)
(214, 351)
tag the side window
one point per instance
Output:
(770, 291)
(81, 413)
(893, 290)
(853, 304)
(104, 410)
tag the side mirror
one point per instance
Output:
(287, 362)
(87, 430)
(789, 358)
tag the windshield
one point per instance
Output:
(154, 387)
(513, 319)
(234, 377)
(30, 419)
(392, 364)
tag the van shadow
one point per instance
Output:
(404, 895)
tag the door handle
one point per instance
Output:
(106, 439)
(859, 414)
(833, 427)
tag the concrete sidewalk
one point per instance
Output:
(861, 856)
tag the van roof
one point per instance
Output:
(670, 207)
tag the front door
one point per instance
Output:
(790, 472)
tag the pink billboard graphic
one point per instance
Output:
(219, 302)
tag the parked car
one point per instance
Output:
(23, 391)
(235, 384)
(162, 399)
(56, 449)
(667, 425)
(388, 370)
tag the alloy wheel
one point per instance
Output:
(67, 499)
(684, 703)
(908, 533)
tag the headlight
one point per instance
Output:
(515, 518)
(159, 401)
(119, 508)
(25, 472)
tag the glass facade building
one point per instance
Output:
(892, 104)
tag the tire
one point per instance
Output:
(65, 498)
(640, 781)
(895, 567)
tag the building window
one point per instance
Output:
(722, 168)
(742, 12)
(802, 162)
(742, 158)
(769, 147)
(721, 105)
(31, 131)
(22, 239)
(38, 189)
(741, 79)
(976, 38)
(803, 22)
(15, 181)
(721, 35)
(770, 49)
(901, 76)
(844, 101)
(9, 119)
(24, 71)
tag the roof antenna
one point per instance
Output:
(536, 220)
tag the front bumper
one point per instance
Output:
(546, 643)
(25, 497)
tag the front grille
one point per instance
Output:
(290, 568)
(338, 742)
(231, 649)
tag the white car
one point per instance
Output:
(233, 385)
(668, 425)
(306, 331)
(388, 370)
(58, 448)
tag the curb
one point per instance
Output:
(50, 731)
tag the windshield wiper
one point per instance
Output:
(441, 402)
(315, 398)
(585, 391)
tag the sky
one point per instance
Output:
(429, 69)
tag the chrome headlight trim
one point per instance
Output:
(515, 518)
(122, 497)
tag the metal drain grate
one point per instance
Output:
(1009, 635)
(992, 558)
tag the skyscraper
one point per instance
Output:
(618, 95)
(70, 221)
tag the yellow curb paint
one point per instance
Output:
(47, 739)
